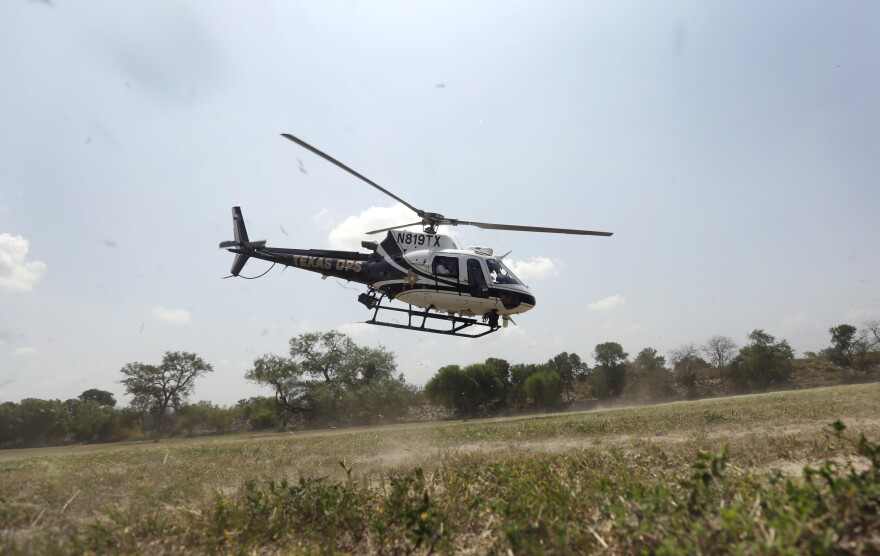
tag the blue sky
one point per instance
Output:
(732, 147)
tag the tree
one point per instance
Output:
(9, 424)
(871, 331)
(862, 353)
(349, 383)
(762, 363)
(100, 397)
(610, 370)
(468, 392)
(169, 384)
(843, 344)
(516, 396)
(720, 350)
(501, 368)
(41, 422)
(285, 376)
(686, 362)
(570, 368)
(206, 418)
(545, 389)
(90, 421)
(648, 379)
(448, 388)
(328, 355)
(328, 378)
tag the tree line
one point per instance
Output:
(326, 379)
(93, 417)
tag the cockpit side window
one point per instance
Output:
(476, 279)
(501, 274)
(446, 267)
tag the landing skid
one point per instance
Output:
(457, 325)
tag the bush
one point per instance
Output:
(263, 419)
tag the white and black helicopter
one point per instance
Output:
(454, 288)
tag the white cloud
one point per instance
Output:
(348, 235)
(2, 344)
(607, 303)
(800, 321)
(25, 351)
(15, 273)
(513, 331)
(358, 329)
(537, 268)
(171, 316)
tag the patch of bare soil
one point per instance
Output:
(796, 468)
(430, 456)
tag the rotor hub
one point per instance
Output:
(431, 220)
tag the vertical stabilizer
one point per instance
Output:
(238, 264)
(238, 226)
(241, 242)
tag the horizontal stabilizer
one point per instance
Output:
(248, 244)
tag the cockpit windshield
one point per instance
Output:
(501, 274)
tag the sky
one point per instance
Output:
(732, 147)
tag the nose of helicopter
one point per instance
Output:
(520, 303)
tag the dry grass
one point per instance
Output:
(148, 497)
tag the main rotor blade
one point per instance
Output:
(395, 227)
(515, 228)
(332, 160)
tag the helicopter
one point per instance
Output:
(458, 292)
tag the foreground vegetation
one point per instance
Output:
(752, 474)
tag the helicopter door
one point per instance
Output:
(476, 279)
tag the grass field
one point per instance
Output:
(751, 474)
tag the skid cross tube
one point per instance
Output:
(456, 326)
